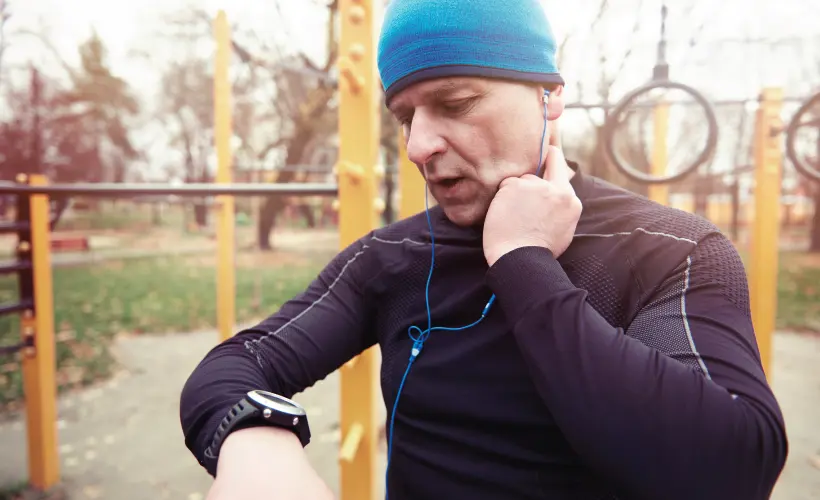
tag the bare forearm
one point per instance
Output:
(266, 461)
(277, 446)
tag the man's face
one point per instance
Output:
(468, 134)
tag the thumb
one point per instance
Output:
(556, 168)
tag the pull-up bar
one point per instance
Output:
(112, 190)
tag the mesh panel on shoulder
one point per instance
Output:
(617, 209)
(666, 314)
(591, 274)
(716, 260)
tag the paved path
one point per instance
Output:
(122, 441)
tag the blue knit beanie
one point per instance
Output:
(424, 39)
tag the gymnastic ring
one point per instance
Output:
(614, 118)
(791, 133)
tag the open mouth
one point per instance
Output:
(449, 183)
(450, 188)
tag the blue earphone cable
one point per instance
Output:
(421, 337)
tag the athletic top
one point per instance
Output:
(627, 368)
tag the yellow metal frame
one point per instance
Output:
(39, 363)
(766, 226)
(359, 134)
(225, 223)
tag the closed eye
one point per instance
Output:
(405, 119)
(459, 106)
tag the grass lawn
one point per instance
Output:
(95, 303)
(798, 293)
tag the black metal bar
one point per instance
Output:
(12, 349)
(25, 278)
(13, 227)
(14, 267)
(114, 190)
(301, 168)
(638, 105)
(15, 307)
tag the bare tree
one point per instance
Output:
(77, 130)
(303, 105)
(611, 69)
(5, 14)
(285, 104)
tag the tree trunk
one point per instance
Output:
(274, 204)
(201, 208)
(701, 194)
(306, 211)
(201, 214)
(814, 246)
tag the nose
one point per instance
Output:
(425, 139)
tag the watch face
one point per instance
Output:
(276, 403)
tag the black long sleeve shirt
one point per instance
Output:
(627, 368)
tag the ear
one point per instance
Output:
(555, 103)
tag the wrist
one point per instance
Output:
(494, 254)
(525, 277)
(263, 444)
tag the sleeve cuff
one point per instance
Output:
(524, 277)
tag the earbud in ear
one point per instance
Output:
(546, 95)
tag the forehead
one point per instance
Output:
(431, 91)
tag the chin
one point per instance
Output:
(464, 216)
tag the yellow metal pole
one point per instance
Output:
(39, 363)
(766, 225)
(411, 183)
(225, 281)
(660, 192)
(359, 122)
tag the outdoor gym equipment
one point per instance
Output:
(807, 115)
(768, 173)
(33, 226)
(359, 212)
(660, 80)
(657, 176)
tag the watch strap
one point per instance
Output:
(241, 412)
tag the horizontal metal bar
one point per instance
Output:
(12, 349)
(13, 227)
(15, 307)
(115, 190)
(305, 169)
(691, 102)
(9, 267)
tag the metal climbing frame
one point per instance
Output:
(359, 133)
(36, 296)
(360, 208)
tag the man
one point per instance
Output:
(615, 357)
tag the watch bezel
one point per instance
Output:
(281, 404)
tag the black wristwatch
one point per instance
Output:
(259, 408)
